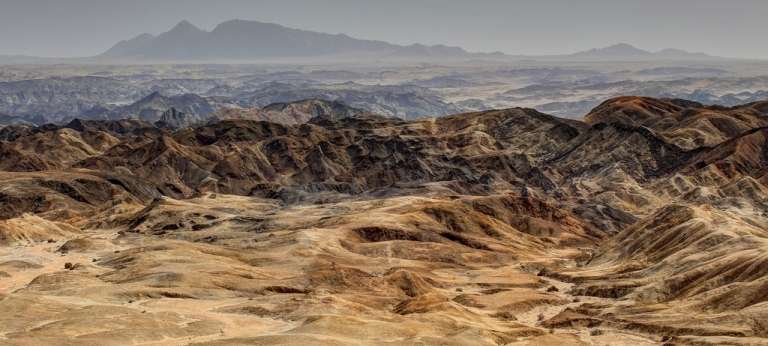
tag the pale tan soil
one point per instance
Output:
(488, 228)
(214, 293)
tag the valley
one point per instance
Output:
(643, 224)
(40, 94)
(344, 173)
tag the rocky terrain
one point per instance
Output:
(59, 100)
(292, 113)
(41, 94)
(314, 222)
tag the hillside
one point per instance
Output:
(315, 223)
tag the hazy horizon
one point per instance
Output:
(76, 28)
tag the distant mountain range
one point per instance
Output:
(241, 40)
(250, 40)
(623, 51)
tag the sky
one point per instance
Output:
(733, 28)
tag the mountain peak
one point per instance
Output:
(627, 51)
(155, 95)
(621, 45)
(619, 49)
(245, 40)
(185, 26)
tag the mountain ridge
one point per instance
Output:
(178, 44)
(627, 51)
(244, 40)
(233, 37)
(541, 227)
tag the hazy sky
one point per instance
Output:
(721, 27)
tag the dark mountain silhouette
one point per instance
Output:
(625, 51)
(243, 40)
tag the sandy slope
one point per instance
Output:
(295, 275)
(498, 227)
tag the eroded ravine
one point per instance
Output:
(305, 270)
